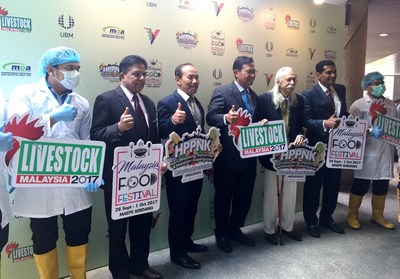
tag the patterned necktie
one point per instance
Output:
(285, 114)
(246, 101)
(194, 110)
(140, 122)
(330, 97)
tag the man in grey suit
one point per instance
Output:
(324, 104)
(121, 116)
(234, 177)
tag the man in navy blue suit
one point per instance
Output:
(181, 112)
(121, 116)
(234, 177)
(324, 104)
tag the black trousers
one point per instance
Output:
(360, 187)
(233, 196)
(45, 230)
(121, 263)
(329, 179)
(3, 234)
(183, 199)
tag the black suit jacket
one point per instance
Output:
(271, 113)
(221, 103)
(107, 111)
(167, 107)
(317, 108)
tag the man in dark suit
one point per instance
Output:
(121, 116)
(281, 103)
(324, 104)
(182, 113)
(234, 177)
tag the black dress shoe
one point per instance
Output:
(196, 248)
(224, 244)
(292, 235)
(332, 226)
(186, 262)
(313, 231)
(271, 238)
(241, 238)
(148, 274)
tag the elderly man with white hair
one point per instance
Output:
(378, 155)
(281, 103)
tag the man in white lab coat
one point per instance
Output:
(378, 156)
(65, 115)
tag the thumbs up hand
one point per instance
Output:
(66, 112)
(232, 116)
(179, 116)
(126, 121)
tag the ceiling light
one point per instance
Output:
(318, 2)
(383, 35)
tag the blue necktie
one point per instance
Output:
(246, 101)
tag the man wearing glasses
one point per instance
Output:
(233, 176)
(121, 116)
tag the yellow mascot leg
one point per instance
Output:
(47, 265)
(352, 217)
(378, 206)
(76, 257)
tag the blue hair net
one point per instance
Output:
(370, 77)
(56, 56)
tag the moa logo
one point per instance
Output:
(16, 69)
(113, 32)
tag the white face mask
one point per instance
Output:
(71, 79)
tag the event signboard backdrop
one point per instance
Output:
(208, 34)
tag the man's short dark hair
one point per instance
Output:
(129, 61)
(319, 68)
(240, 61)
(178, 69)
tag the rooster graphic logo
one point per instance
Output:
(377, 107)
(22, 127)
(243, 120)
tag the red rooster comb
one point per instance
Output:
(3, 11)
(24, 127)
(377, 106)
(11, 246)
(243, 120)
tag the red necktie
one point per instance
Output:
(140, 120)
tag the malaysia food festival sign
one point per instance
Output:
(188, 156)
(346, 144)
(299, 161)
(36, 161)
(136, 179)
(254, 139)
